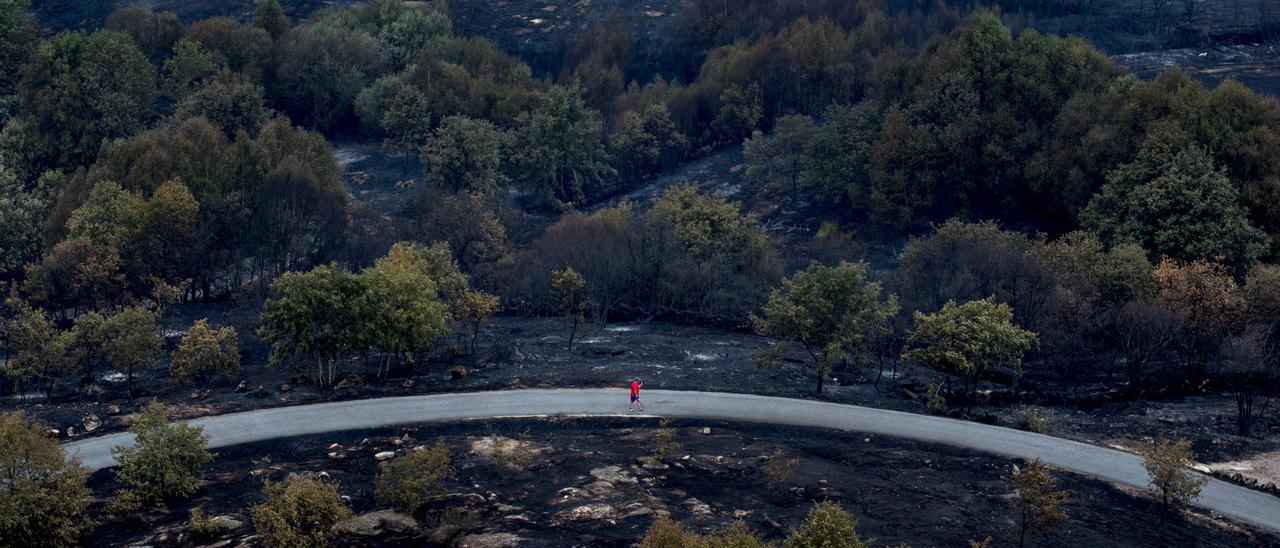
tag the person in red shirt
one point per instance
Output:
(635, 395)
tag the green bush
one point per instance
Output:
(165, 460)
(42, 494)
(827, 526)
(300, 512)
(407, 481)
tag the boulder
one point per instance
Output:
(376, 524)
(589, 512)
(384, 455)
(613, 474)
(286, 387)
(490, 540)
(242, 387)
(91, 422)
(408, 383)
(458, 373)
(113, 409)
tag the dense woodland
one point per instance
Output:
(153, 163)
(1068, 222)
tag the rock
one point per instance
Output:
(442, 535)
(335, 445)
(242, 387)
(613, 475)
(350, 382)
(408, 383)
(589, 512)
(336, 455)
(286, 387)
(71, 431)
(384, 455)
(113, 409)
(636, 510)
(53, 432)
(91, 422)
(375, 524)
(706, 431)
(740, 514)
(601, 489)
(227, 523)
(698, 507)
(198, 394)
(651, 463)
(490, 540)
(458, 373)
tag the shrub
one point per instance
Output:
(826, 526)
(165, 460)
(1167, 464)
(202, 527)
(206, 351)
(300, 512)
(407, 481)
(665, 439)
(664, 533)
(42, 494)
(1039, 502)
(779, 467)
(1032, 421)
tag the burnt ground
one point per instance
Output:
(597, 482)
(1254, 65)
(532, 353)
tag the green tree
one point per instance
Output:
(465, 154)
(405, 315)
(88, 343)
(407, 122)
(38, 350)
(18, 36)
(299, 513)
(314, 316)
(646, 142)
(229, 102)
(133, 341)
(406, 36)
(23, 211)
(968, 339)
(839, 154)
(154, 33)
(79, 90)
(827, 526)
(407, 481)
(834, 313)
(1167, 463)
(739, 114)
(1038, 500)
(322, 69)
(205, 351)
(188, 69)
(778, 160)
(571, 290)
(44, 500)
(1175, 203)
(165, 460)
(563, 158)
(269, 16)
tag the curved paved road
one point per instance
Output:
(1227, 499)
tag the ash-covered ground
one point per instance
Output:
(602, 482)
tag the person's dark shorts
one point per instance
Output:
(634, 398)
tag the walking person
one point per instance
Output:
(635, 396)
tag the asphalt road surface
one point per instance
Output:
(1230, 500)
